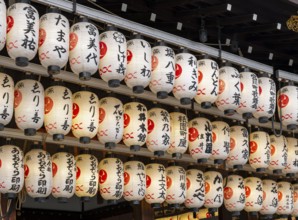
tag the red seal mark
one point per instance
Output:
(178, 71)
(188, 183)
(192, 134)
(102, 176)
(247, 191)
(264, 195)
(148, 181)
(102, 115)
(150, 126)
(283, 100)
(75, 110)
(54, 168)
(213, 137)
(222, 86)
(129, 56)
(0, 163)
(207, 187)
(241, 86)
(232, 144)
(295, 196)
(279, 195)
(272, 150)
(260, 90)
(154, 62)
(169, 182)
(200, 76)
(253, 146)
(48, 104)
(126, 120)
(26, 170)
(10, 23)
(78, 173)
(103, 49)
(17, 98)
(228, 192)
(42, 37)
(73, 40)
(126, 178)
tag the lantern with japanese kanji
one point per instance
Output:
(278, 153)
(270, 197)
(292, 161)
(253, 195)
(213, 190)
(22, 32)
(207, 83)
(285, 199)
(3, 24)
(29, 105)
(58, 111)
(110, 128)
(6, 98)
(85, 115)
(295, 199)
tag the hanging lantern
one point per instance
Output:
(112, 60)
(158, 139)
(292, 161)
(85, 116)
(285, 199)
(163, 71)
(7, 96)
(207, 83)
(155, 184)
(278, 153)
(295, 198)
(259, 147)
(220, 141)
(110, 128)
(58, 112)
(135, 125)
(22, 32)
(178, 134)
(267, 99)
(11, 170)
(248, 94)
(134, 181)
(200, 139)
(38, 173)
(234, 194)
(288, 106)
(138, 72)
(270, 201)
(253, 195)
(29, 106)
(229, 90)
(186, 78)
(239, 150)
(86, 176)
(2, 24)
(213, 190)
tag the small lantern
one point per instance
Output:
(270, 197)
(163, 71)
(138, 72)
(11, 170)
(292, 161)
(155, 184)
(58, 112)
(259, 146)
(278, 153)
(6, 97)
(110, 128)
(29, 106)
(200, 139)
(295, 198)
(85, 116)
(86, 176)
(158, 139)
(208, 83)
(2, 24)
(112, 60)
(253, 195)
(220, 141)
(22, 32)
(213, 190)
(285, 199)
(135, 125)
(229, 90)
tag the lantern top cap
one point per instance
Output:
(160, 43)
(136, 35)
(36, 146)
(53, 10)
(110, 27)
(83, 19)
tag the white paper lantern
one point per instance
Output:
(270, 201)
(22, 32)
(110, 128)
(86, 176)
(292, 160)
(259, 147)
(186, 78)
(2, 24)
(208, 83)
(58, 111)
(138, 72)
(7, 98)
(267, 99)
(11, 170)
(213, 190)
(295, 199)
(85, 115)
(200, 139)
(135, 125)
(29, 106)
(285, 199)
(163, 71)
(253, 195)
(278, 153)
(229, 90)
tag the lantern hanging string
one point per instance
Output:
(280, 122)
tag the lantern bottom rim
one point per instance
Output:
(112, 201)
(229, 112)
(277, 171)
(135, 147)
(110, 145)
(266, 216)
(238, 167)
(247, 115)
(85, 198)
(135, 202)
(40, 199)
(236, 213)
(10, 195)
(177, 155)
(138, 89)
(212, 210)
(218, 161)
(84, 76)
(202, 160)
(85, 140)
(292, 127)
(162, 95)
(174, 205)
(22, 61)
(155, 205)
(113, 83)
(260, 170)
(253, 213)
(263, 119)
(1, 127)
(54, 69)
(290, 174)
(283, 216)
(206, 105)
(62, 200)
(58, 137)
(30, 131)
(185, 101)
(159, 153)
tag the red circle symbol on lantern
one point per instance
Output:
(279, 195)
(283, 100)
(154, 62)
(102, 115)
(54, 168)
(222, 86)
(178, 71)
(272, 150)
(26, 170)
(17, 98)
(148, 181)
(103, 49)
(232, 144)
(260, 90)
(48, 105)
(247, 191)
(102, 176)
(126, 178)
(150, 126)
(187, 183)
(169, 182)
(228, 192)
(241, 86)
(73, 40)
(192, 134)
(75, 110)
(200, 76)
(213, 137)
(78, 173)
(207, 187)
(295, 196)
(264, 195)
(0, 163)
(253, 146)
(126, 120)
(10, 23)
(129, 56)
(42, 37)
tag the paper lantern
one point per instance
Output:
(85, 115)
(134, 181)
(285, 199)
(295, 199)
(267, 99)
(229, 90)
(186, 78)
(278, 153)
(163, 71)
(22, 32)
(158, 138)
(270, 197)
(11, 170)
(135, 125)
(138, 72)
(38, 173)
(248, 94)
(7, 97)
(213, 190)
(110, 128)
(86, 176)
(58, 112)
(253, 195)
(259, 147)
(292, 160)
(234, 194)
(178, 134)
(64, 176)
(200, 139)
(29, 106)
(288, 105)
(155, 184)
(2, 24)
(111, 179)
(220, 141)
(112, 60)
(208, 83)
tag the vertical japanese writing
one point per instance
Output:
(92, 181)
(44, 167)
(29, 40)
(69, 181)
(15, 179)
(119, 181)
